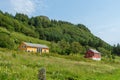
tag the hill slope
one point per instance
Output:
(18, 37)
(64, 34)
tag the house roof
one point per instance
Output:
(35, 45)
(95, 51)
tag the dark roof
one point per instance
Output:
(95, 51)
(35, 45)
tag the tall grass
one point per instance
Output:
(15, 65)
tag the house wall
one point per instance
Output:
(92, 55)
(98, 59)
(22, 48)
(96, 55)
(31, 49)
(45, 50)
(89, 54)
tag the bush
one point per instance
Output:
(6, 41)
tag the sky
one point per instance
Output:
(102, 17)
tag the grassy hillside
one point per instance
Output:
(15, 65)
(19, 37)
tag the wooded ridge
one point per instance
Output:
(64, 37)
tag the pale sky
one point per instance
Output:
(102, 17)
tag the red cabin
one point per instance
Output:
(93, 54)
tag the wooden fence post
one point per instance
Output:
(42, 74)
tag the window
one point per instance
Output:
(24, 46)
(39, 50)
(28, 50)
(44, 51)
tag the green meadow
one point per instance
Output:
(17, 65)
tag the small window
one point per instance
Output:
(45, 51)
(24, 46)
(28, 51)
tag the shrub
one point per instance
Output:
(6, 41)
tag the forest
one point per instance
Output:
(65, 38)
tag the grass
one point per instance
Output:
(19, 37)
(4, 30)
(16, 65)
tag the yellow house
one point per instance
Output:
(30, 47)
